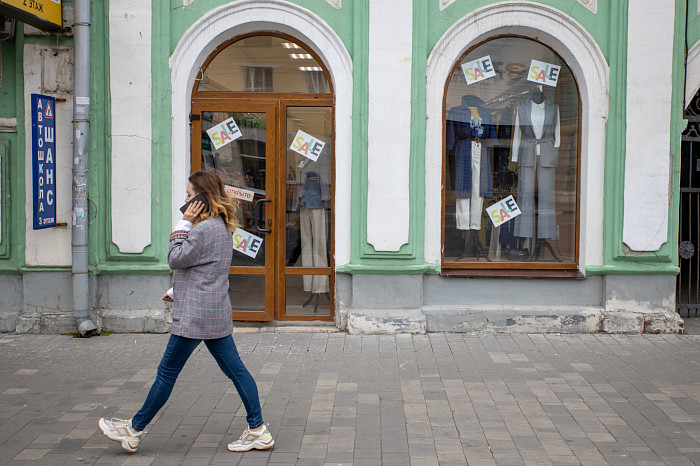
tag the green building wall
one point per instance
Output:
(170, 21)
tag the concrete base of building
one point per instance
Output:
(419, 304)
(41, 302)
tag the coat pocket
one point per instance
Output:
(549, 155)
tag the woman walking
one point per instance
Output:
(200, 254)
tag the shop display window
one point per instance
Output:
(511, 158)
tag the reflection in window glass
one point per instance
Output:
(264, 64)
(507, 135)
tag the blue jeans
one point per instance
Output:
(176, 354)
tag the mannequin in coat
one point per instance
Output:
(470, 132)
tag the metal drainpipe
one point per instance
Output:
(81, 130)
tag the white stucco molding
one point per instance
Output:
(590, 4)
(247, 16)
(585, 59)
(389, 152)
(130, 86)
(445, 3)
(648, 159)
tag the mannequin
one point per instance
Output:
(470, 131)
(536, 140)
(310, 196)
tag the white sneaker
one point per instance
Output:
(260, 440)
(120, 430)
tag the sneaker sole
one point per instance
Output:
(254, 445)
(124, 443)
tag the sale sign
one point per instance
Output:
(478, 70)
(503, 211)
(239, 193)
(225, 132)
(246, 243)
(307, 145)
(543, 73)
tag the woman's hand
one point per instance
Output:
(193, 211)
(167, 298)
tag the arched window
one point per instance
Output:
(511, 158)
(264, 63)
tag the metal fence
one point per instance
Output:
(688, 281)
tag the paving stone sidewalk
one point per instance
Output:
(332, 398)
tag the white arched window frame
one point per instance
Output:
(249, 16)
(577, 47)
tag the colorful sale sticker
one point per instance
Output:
(239, 193)
(307, 145)
(478, 70)
(224, 133)
(543, 73)
(503, 211)
(246, 243)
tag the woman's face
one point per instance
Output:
(190, 192)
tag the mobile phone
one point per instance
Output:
(198, 197)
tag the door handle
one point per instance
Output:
(261, 221)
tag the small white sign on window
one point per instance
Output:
(543, 73)
(478, 70)
(224, 133)
(307, 145)
(503, 211)
(239, 193)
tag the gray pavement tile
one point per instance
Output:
(539, 399)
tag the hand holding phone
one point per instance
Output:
(199, 197)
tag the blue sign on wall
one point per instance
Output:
(44, 160)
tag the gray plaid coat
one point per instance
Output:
(200, 261)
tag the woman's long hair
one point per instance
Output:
(218, 202)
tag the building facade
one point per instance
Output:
(433, 165)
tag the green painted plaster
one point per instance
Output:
(595, 24)
(8, 160)
(410, 255)
(105, 255)
(340, 20)
(8, 85)
(360, 113)
(5, 189)
(13, 159)
(98, 175)
(616, 259)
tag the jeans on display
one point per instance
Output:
(176, 354)
(468, 211)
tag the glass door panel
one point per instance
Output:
(302, 302)
(247, 293)
(239, 153)
(308, 210)
(241, 164)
